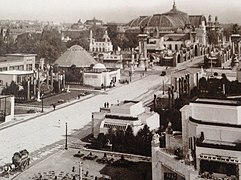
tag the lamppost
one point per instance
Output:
(42, 100)
(66, 128)
(163, 83)
(80, 170)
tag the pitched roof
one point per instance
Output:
(75, 55)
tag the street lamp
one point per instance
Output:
(42, 99)
(80, 170)
(163, 83)
(66, 127)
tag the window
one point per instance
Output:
(29, 67)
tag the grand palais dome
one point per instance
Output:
(172, 19)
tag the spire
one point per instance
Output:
(174, 5)
(91, 36)
(106, 37)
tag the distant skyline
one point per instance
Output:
(114, 10)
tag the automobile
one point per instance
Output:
(163, 73)
(90, 157)
(79, 155)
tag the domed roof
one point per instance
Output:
(171, 20)
(99, 66)
(75, 55)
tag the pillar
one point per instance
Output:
(52, 79)
(233, 47)
(34, 83)
(38, 96)
(238, 50)
(64, 80)
(47, 74)
(28, 91)
(59, 80)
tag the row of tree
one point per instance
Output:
(21, 90)
(126, 141)
(46, 45)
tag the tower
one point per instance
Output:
(142, 38)
(91, 43)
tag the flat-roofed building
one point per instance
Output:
(18, 61)
(100, 76)
(122, 115)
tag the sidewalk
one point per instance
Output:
(27, 117)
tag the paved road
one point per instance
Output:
(47, 129)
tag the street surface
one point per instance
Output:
(50, 128)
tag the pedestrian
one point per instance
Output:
(73, 169)
(54, 106)
(107, 105)
(58, 123)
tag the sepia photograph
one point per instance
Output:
(120, 90)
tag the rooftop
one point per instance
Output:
(75, 55)
(16, 72)
(232, 102)
(21, 54)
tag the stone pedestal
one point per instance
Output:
(141, 63)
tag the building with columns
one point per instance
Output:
(207, 148)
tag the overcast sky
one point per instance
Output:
(114, 10)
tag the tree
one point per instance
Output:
(112, 32)
(203, 85)
(82, 41)
(56, 86)
(118, 141)
(50, 45)
(27, 43)
(212, 36)
(129, 140)
(144, 138)
(12, 89)
(2, 46)
(235, 29)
